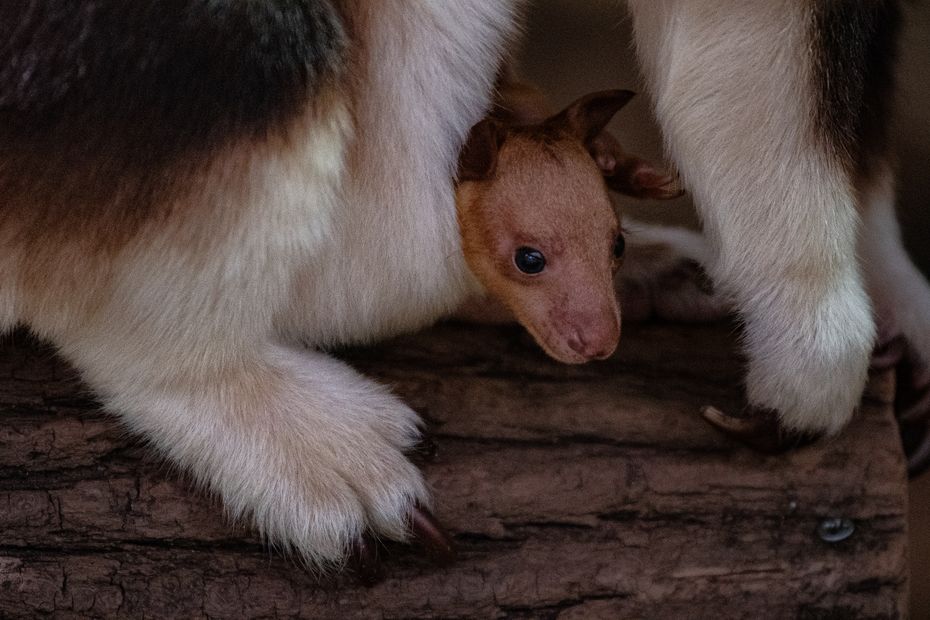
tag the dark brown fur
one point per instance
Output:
(111, 109)
(146, 80)
(113, 114)
(854, 46)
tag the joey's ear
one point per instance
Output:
(586, 117)
(478, 159)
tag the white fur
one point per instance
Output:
(394, 262)
(184, 334)
(778, 210)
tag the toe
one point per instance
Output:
(425, 451)
(888, 354)
(916, 441)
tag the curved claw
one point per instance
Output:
(432, 536)
(911, 401)
(760, 430)
(425, 451)
(913, 406)
(425, 530)
(916, 441)
(888, 354)
(912, 398)
(364, 561)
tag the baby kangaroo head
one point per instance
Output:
(539, 229)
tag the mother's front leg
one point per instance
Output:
(740, 99)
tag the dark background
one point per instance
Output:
(573, 48)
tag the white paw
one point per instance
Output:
(331, 466)
(809, 361)
(308, 450)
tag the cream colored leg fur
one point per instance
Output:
(779, 212)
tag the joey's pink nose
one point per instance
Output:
(595, 343)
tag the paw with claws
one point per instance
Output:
(760, 429)
(316, 456)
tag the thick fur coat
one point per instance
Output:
(189, 251)
(198, 196)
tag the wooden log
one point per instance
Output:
(572, 492)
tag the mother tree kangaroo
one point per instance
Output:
(197, 196)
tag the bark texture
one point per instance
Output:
(573, 492)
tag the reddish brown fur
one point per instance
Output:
(534, 180)
(547, 193)
(520, 104)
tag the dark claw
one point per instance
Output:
(912, 397)
(431, 535)
(759, 430)
(365, 563)
(916, 441)
(425, 451)
(425, 530)
(889, 354)
(911, 400)
(913, 406)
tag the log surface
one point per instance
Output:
(572, 492)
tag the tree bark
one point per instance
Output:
(572, 492)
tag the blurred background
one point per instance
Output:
(573, 48)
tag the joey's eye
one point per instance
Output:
(619, 246)
(529, 260)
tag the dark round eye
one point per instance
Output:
(619, 246)
(529, 260)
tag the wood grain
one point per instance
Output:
(573, 492)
